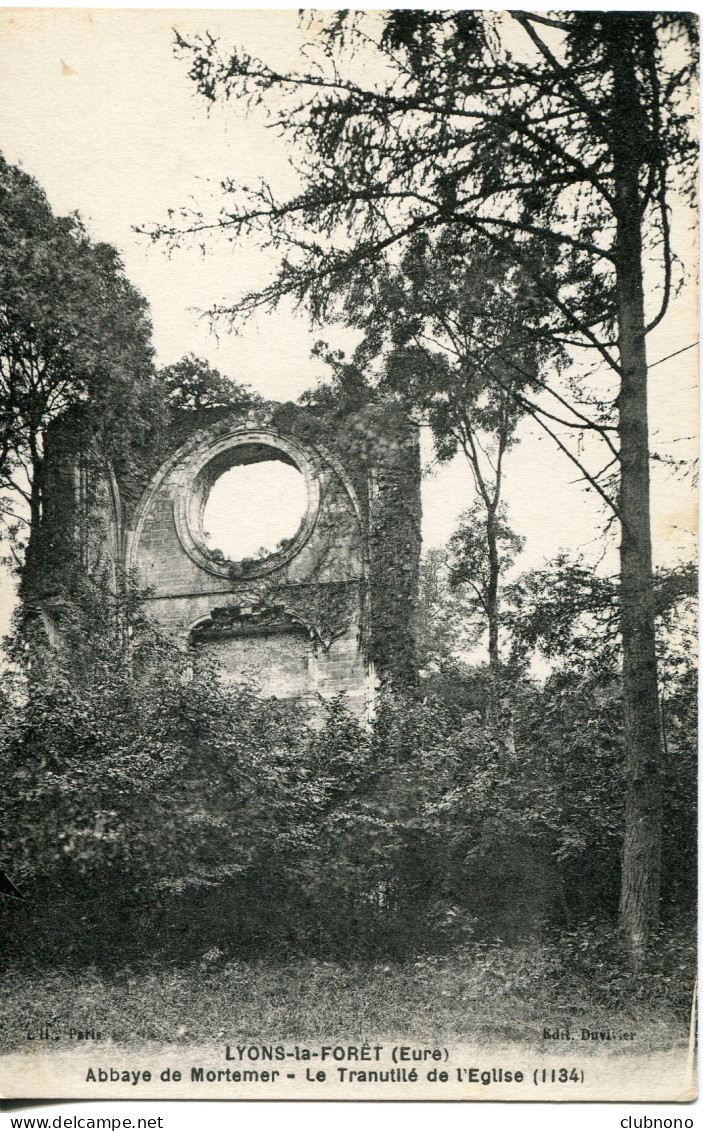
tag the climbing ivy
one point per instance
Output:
(375, 444)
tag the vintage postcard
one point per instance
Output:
(348, 462)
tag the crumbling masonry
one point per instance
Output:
(331, 610)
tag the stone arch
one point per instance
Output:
(194, 457)
(211, 459)
(265, 645)
(350, 572)
(306, 602)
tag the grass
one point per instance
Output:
(494, 993)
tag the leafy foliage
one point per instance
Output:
(481, 551)
(74, 334)
(179, 814)
(568, 612)
(447, 625)
(193, 383)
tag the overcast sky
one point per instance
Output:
(95, 105)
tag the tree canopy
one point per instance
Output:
(499, 124)
(498, 130)
(74, 332)
(192, 383)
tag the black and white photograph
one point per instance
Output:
(348, 555)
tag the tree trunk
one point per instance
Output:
(36, 495)
(641, 861)
(492, 605)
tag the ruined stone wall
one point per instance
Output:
(332, 609)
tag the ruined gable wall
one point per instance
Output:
(331, 612)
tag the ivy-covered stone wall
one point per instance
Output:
(333, 609)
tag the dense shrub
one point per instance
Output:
(152, 810)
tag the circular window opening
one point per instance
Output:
(254, 510)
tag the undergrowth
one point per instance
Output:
(485, 992)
